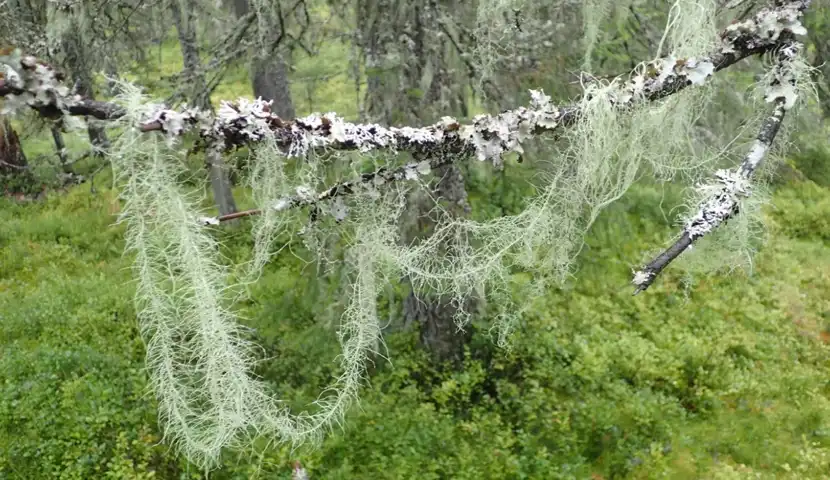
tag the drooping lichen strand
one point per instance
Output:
(199, 364)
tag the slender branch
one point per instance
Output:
(305, 197)
(730, 185)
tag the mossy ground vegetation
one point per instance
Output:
(710, 380)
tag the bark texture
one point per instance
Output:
(269, 71)
(436, 315)
(16, 176)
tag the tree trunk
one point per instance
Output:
(15, 173)
(97, 135)
(435, 315)
(198, 96)
(185, 22)
(270, 81)
(269, 71)
(409, 82)
(220, 181)
(76, 54)
(60, 148)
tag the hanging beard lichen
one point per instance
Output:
(201, 367)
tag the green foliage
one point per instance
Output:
(725, 381)
(73, 400)
(803, 211)
(724, 384)
(814, 163)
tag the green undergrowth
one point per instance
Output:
(722, 378)
(726, 378)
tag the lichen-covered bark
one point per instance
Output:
(34, 84)
(730, 185)
(489, 136)
(60, 148)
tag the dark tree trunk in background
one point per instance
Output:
(77, 61)
(821, 60)
(376, 29)
(97, 135)
(60, 148)
(409, 82)
(435, 315)
(11, 152)
(15, 174)
(269, 71)
(196, 86)
(198, 96)
(270, 81)
(219, 182)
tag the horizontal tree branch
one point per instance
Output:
(489, 136)
(36, 84)
(305, 197)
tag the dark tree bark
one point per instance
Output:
(97, 135)
(269, 71)
(196, 86)
(270, 81)
(409, 82)
(198, 96)
(15, 174)
(60, 148)
(11, 152)
(76, 61)
(435, 315)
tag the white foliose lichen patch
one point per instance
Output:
(493, 136)
(767, 25)
(175, 122)
(697, 70)
(35, 84)
(641, 277)
(723, 198)
(784, 80)
(250, 119)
